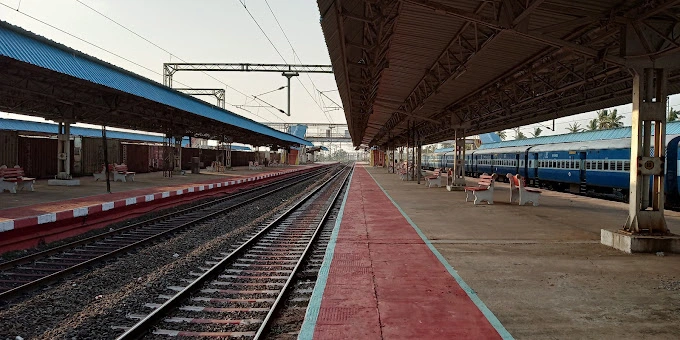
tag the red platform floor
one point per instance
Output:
(25, 226)
(386, 281)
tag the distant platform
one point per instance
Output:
(49, 204)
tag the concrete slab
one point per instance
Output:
(626, 242)
(542, 270)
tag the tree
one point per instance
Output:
(537, 132)
(574, 127)
(593, 125)
(614, 120)
(519, 134)
(672, 115)
(339, 155)
(502, 135)
(602, 119)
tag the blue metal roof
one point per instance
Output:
(672, 128)
(25, 46)
(49, 128)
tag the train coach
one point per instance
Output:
(600, 167)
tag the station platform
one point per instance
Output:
(410, 262)
(49, 205)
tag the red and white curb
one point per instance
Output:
(6, 225)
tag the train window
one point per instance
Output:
(599, 165)
(619, 166)
(626, 166)
(577, 164)
(562, 164)
(606, 165)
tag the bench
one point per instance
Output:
(102, 175)
(520, 193)
(12, 179)
(120, 172)
(254, 165)
(434, 179)
(483, 191)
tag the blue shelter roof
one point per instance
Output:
(50, 128)
(25, 46)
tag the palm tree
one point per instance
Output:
(593, 125)
(574, 127)
(537, 132)
(672, 115)
(602, 119)
(502, 135)
(519, 134)
(614, 120)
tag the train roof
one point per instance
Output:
(672, 128)
(622, 143)
(510, 149)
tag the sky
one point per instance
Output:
(216, 31)
(200, 31)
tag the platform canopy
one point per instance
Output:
(483, 66)
(39, 77)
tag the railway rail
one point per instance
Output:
(237, 293)
(24, 274)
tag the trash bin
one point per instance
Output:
(195, 165)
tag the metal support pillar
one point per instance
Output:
(64, 151)
(647, 152)
(289, 75)
(105, 148)
(177, 152)
(458, 171)
(419, 165)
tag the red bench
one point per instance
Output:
(120, 172)
(483, 191)
(520, 193)
(13, 178)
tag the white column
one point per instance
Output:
(647, 152)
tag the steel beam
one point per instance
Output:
(219, 94)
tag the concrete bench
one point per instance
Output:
(120, 172)
(520, 193)
(102, 174)
(483, 191)
(12, 179)
(434, 179)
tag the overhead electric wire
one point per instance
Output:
(173, 55)
(330, 119)
(281, 55)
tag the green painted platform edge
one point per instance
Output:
(312, 313)
(469, 291)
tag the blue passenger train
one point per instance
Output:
(600, 167)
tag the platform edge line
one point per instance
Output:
(312, 312)
(490, 316)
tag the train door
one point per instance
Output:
(533, 171)
(519, 162)
(582, 173)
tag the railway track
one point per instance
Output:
(237, 293)
(24, 274)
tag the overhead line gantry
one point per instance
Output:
(287, 70)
